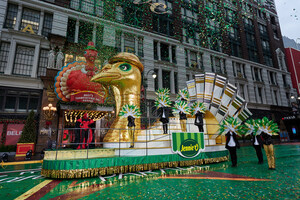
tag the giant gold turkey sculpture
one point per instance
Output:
(123, 75)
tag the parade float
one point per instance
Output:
(209, 93)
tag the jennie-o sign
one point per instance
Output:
(187, 145)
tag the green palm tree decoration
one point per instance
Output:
(162, 101)
(183, 94)
(130, 110)
(181, 106)
(198, 106)
(230, 124)
(162, 92)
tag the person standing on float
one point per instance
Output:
(199, 120)
(163, 103)
(164, 118)
(131, 129)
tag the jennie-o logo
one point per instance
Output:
(187, 145)
(189, 148)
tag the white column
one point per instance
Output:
(172, 81)
(11, 57)
(160, 84)
(41, 22)
(19, 16)
(136, 45)
(158, 51)
(122, 42)
(76, 31)
(170, 53)
(94, 33)
(35, 61)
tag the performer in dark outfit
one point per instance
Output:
(164, 118)
(269, 149)
(199, 120)
(83, 133)
(182, 118)
(131, 127)
(258, 145)
(232, 144)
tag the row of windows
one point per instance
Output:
(22, 101)
(23, 60)
(29, 17)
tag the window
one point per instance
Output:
(284, 80)
(129, 13)
(163, 24)
(47, 26)
(242, 94)
(141, 47)
(275, 97)
(155, 50)
(174, 54)
(257, 74)
(23, 60)
(11, 16)
(239, 69)
(164, 51)
(176, 81)
(85, 32)
(4, 51)
(43, 61)
(260, 95)
(129, 45)
(166, 79)
(273, 78)
(20, 100)
(218, 65)
(93, 7)
(193, 59)
(71, 30)
(30, 17)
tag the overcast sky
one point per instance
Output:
(289, 18)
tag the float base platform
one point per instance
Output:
(70, 154)
(82, 168)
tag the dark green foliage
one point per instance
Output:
(29, 130)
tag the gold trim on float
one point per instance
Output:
(85, 173)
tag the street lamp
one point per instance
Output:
(145, 84)
(49, 112)
(295, 103)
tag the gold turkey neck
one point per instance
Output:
(126, 87)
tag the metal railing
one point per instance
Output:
(146, 139)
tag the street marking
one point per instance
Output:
(22, 163)
(33, 190)
(22, 170)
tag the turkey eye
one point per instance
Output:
(125, 67)
(85, 52)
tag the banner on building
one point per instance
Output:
(188, 145)
(13, 133)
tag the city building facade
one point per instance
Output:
(240, 40)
